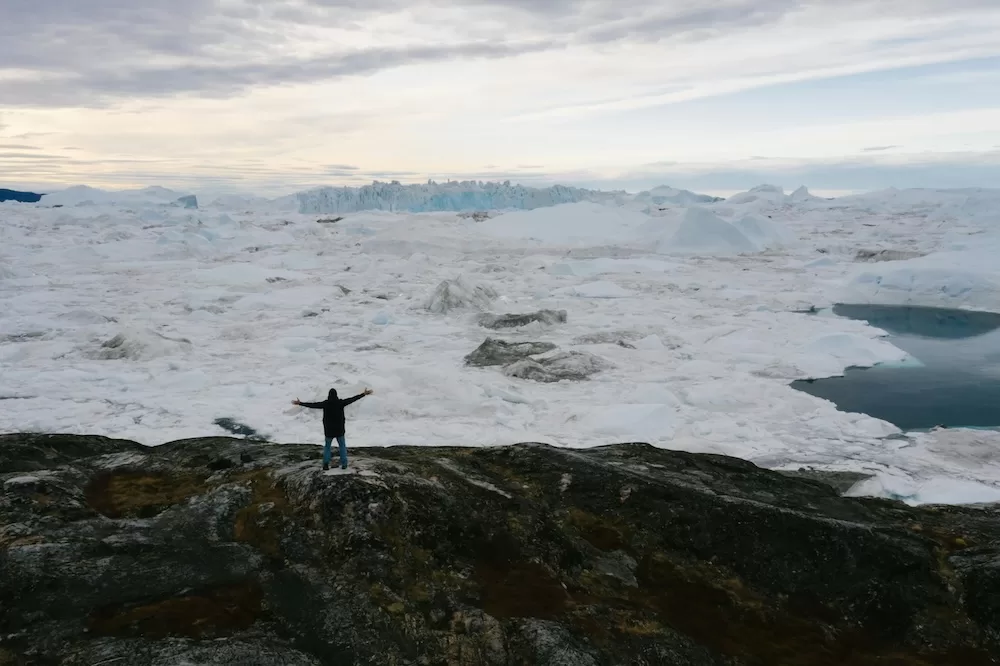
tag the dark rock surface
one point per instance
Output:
(499, 352)
(476, 215)
(220, 551)
(497, 322)
(839, 481)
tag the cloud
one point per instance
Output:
(500, 82)
(534, 178)
(966, 77)
(100, 51)
(392, 174)
(29, 156)
(100, 86)
(349, 172)
(667, 21)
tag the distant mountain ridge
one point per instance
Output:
(23, 197)
(86, 195)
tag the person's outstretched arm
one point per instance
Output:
(310, 405)
(348, 401)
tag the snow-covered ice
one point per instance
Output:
(959, 279)
(631, 422)
(828, 355)
(571, 223)
(601, 289)
(132, 316)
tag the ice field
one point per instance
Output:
(131, 316)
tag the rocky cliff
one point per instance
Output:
(220, 551)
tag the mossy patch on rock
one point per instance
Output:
(261, 522)
(133, 494)
(523, 589)
(596, 530)
(208, 613)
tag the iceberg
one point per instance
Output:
(671, 196)
(764, 232)
(965, 279)
(803, 195)
(703, 232)
(768, 194)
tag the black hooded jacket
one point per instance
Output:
(333, 412)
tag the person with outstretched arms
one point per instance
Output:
(334, 423)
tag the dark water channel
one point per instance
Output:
(956, 382)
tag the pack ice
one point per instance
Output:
(132, 314)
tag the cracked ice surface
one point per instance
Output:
(233, 311)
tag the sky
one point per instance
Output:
(715, 95)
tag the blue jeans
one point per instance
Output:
(328, 451)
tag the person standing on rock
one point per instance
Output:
(334, 423)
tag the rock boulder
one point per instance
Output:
(499, 352)
(501, 321)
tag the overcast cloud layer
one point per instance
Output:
(248, 93)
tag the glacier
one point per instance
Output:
(449, 196)
(457, 196)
